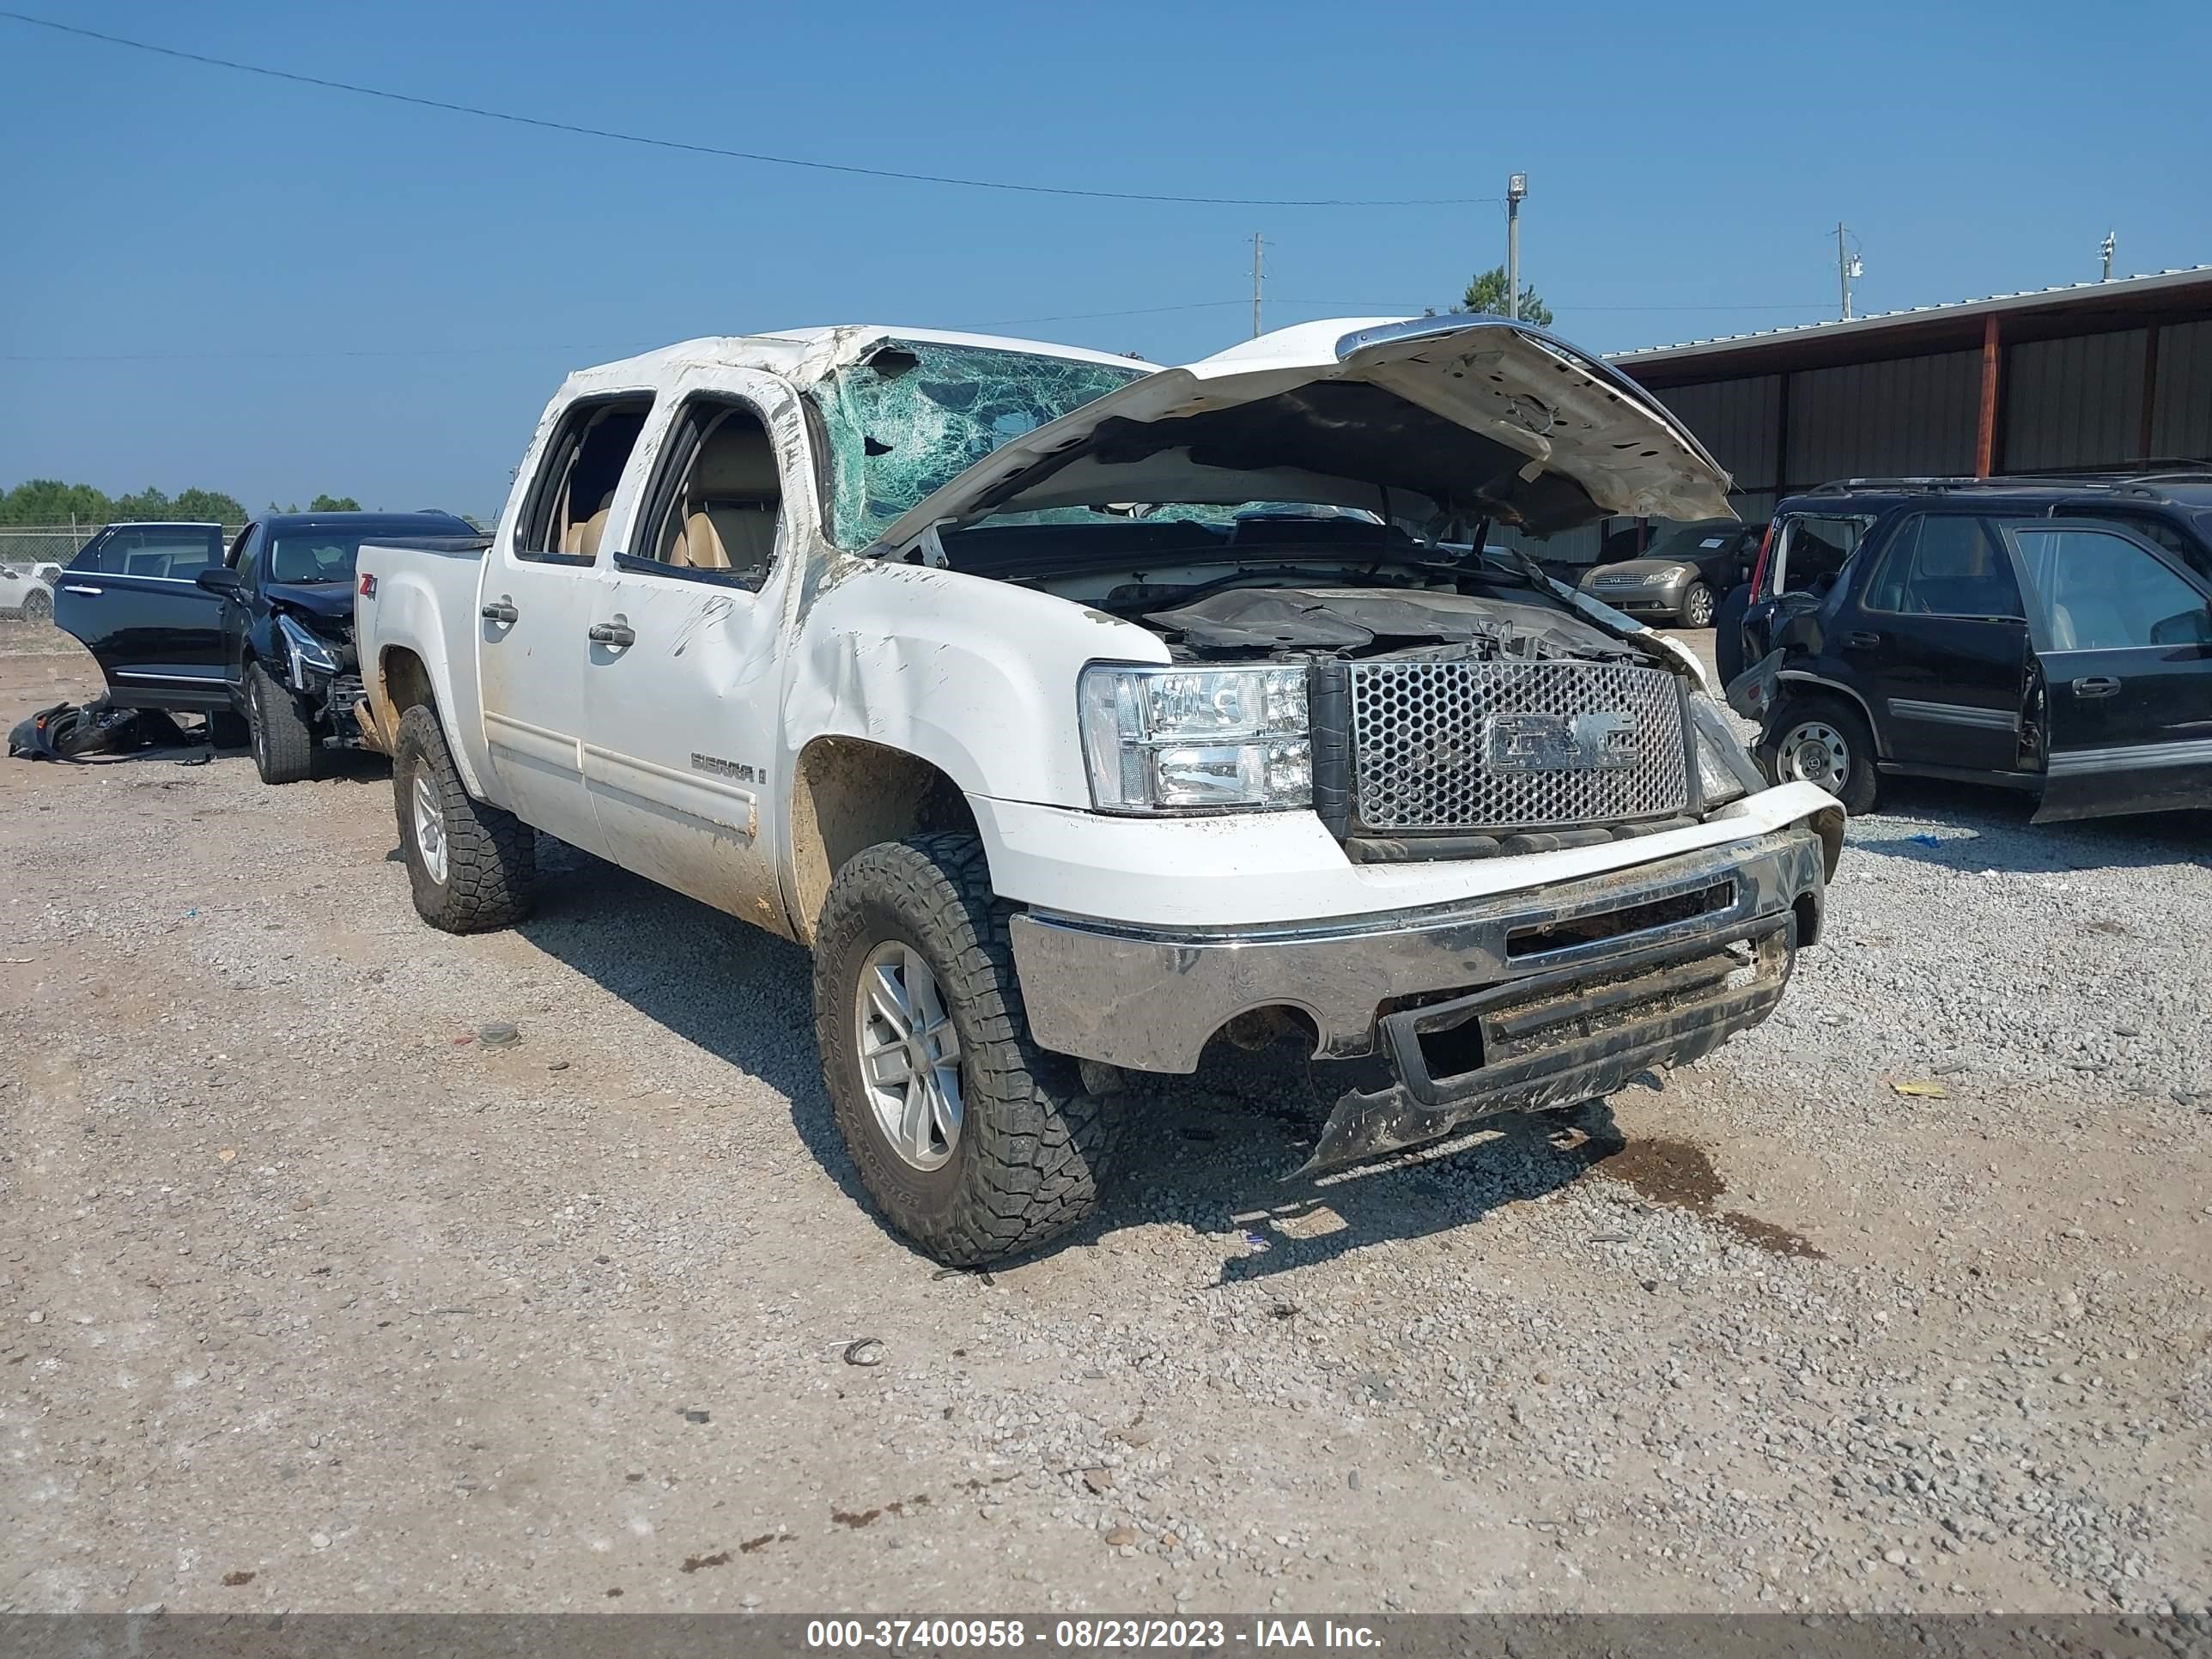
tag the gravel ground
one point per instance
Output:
(311, 1299)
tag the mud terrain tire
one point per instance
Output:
(1033, 1149)
(481, 874)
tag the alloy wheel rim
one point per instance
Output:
(257, 727)
(1815, 752)
(909, 1056)
(430, 830)
(1701, 609)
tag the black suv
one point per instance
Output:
(264, 630)
(2052, 635)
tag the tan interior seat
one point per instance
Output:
(731, 503)
(582, 537)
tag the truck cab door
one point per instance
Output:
(132, 598)
(534, 617)
(2119, 684)
(685, 685)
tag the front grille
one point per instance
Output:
(1423, 745)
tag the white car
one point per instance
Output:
(855, 633)
(27, 590)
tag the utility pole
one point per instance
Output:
(2111, 242)
(1516, 188)
(1258, 243)
(1848, 267)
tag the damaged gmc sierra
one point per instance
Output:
(1077, 714)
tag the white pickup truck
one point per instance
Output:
(1077, 713)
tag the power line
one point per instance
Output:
(763, 157)
(1348, 307)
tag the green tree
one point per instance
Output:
(334, 504)
(147, 503)
(1487, 293)
(49, 500)
(209, 507)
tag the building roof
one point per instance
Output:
(2074, 307)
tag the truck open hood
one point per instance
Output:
(1436, 420)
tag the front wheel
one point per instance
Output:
(974, 1142)
(1820, 741)
(472, 866)
(284, 743)
(1698, 606)
(37, 605)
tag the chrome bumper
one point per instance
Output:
(1520, 963)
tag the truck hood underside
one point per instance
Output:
(1359, 622)
(1434, 421)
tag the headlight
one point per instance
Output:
(1725, 771)
(1185, 740)
(306, 650)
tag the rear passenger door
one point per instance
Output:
(534, 649)
(131, 599)
(1937, 638)
(2120, 693)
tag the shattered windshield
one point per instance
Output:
(915, 416)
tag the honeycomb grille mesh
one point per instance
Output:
(1418, 735)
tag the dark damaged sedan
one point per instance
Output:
(264, 631)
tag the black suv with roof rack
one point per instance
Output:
(2051, 634)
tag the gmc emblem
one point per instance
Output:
(1601, 741)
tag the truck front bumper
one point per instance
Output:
(1514, 1002)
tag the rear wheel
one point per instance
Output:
(975, 1143)
(472, 866)
(37, 605)
(1698, 606)
(1820, 741)
(283, 743)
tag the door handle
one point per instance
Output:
(502, 612)
(1863, 641)
(616, 635)
(79, 587)
(2099, 685)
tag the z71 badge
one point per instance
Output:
(1598, 741)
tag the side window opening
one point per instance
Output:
(566, 513)
(1946, 565)
(1816, 552)
(721, 517)
(2100, 592)
(178, 555)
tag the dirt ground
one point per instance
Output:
(311, 1299)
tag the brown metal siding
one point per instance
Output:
(2181, 408)
(1908, 416)
(1734, 419)
(2073, 403)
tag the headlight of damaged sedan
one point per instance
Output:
(1726, 771)
(306, 650)
(1192, 740)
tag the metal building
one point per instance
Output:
(2097, 374)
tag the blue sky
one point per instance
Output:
(273, 290)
